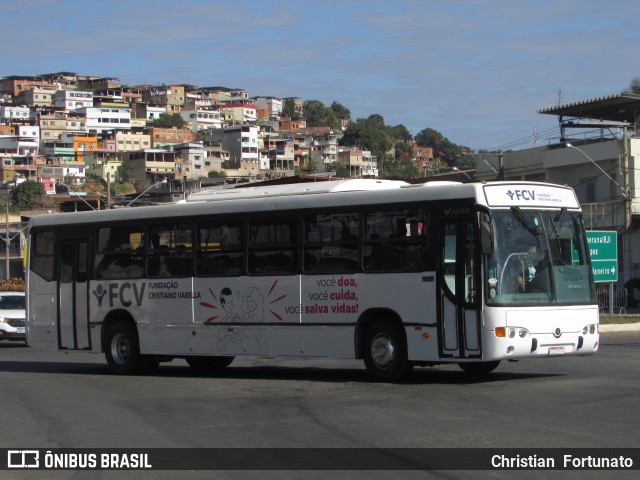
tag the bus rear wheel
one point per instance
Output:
(121, 349)
(479, 368)
(208, 364)
(385, 353)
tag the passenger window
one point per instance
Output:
(331, 243)
(120, 252)
(170, 250)
(42, 257)
(273, 245)
(220, 248)
(395, 241)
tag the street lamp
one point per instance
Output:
(464, 173)
(624, 194)
(164, 180)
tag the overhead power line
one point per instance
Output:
(531, 139)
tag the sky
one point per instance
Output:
(478, 72)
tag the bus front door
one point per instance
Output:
(73, 311)
(458, 303)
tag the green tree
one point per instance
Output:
(443, 149)
(217, 174)
(340, 169)
(429, 138)
(342, 112)
(404, 152)
(634, 86)
(169, 121)
(392, 167)
(316, 114)
(467, 160)
(289, 109)
(308, 166)
(399, 132)
(370, 134)
(23, 193)
(123, 173)
(376, 121)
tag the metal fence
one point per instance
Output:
(619, 300)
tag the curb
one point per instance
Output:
(619, 327)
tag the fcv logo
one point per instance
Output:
(521, 194)
(126, 294)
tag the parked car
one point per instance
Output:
(12, 316)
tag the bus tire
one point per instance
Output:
(479, 369)
(208, 364)
(121, 349)
(385, 354)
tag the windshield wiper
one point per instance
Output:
(557, 220)
(526, 222)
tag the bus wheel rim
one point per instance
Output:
(382, 351)
(120, 348)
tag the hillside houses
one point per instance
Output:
(95, 124)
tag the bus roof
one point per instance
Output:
(292, 197)
(330, 186)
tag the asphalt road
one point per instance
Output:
(57, 400)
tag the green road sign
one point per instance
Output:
(603, 247)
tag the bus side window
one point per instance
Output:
(220, 248)
(170, 249)
(42, 256)
(395, 241)
(118, 252)
(273, 245)
(331, 243)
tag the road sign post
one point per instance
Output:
(603, 247)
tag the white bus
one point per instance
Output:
(395, 274)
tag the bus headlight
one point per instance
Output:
(511, 332)
(520, 332)
(589, 329)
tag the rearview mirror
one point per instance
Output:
(486, 237)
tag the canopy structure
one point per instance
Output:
(618, 110)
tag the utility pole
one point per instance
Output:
(626, 177)
(6, 241)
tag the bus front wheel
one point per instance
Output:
(121, 348)
(385, 353)
(479, 368)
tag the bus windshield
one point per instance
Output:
(538, 257)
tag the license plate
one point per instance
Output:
(20, 329)
(556, 350)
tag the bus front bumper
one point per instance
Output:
(518, 342)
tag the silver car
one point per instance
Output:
(12, 316)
